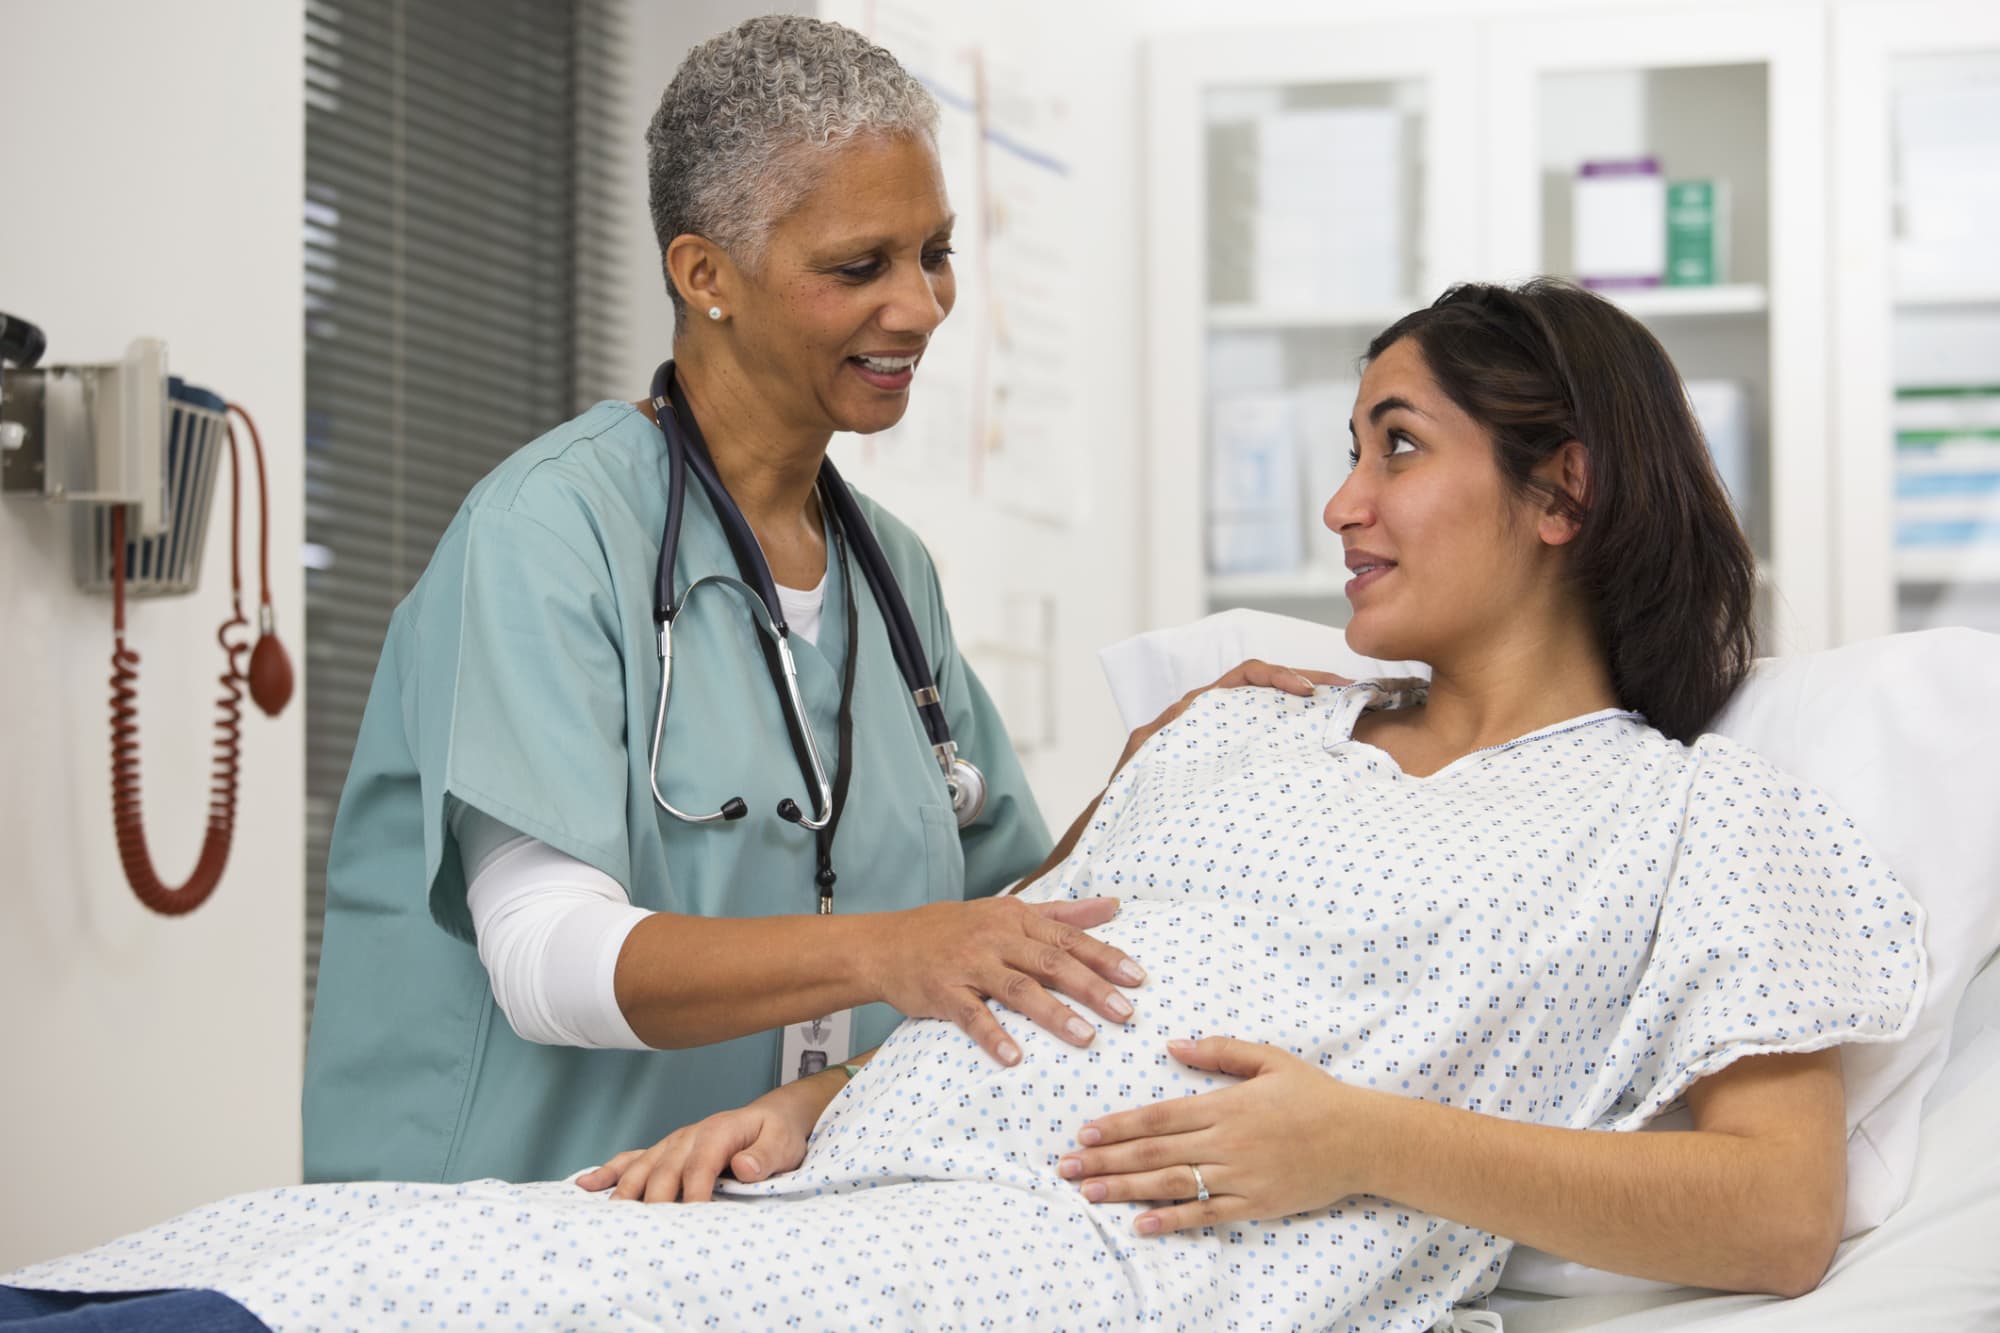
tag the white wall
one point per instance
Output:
(153, 160)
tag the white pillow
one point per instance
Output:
(1149, 671)
(1902, 733)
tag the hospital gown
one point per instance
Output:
(1569, 929)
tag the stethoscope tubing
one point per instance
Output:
(963, 781)
(734, 808)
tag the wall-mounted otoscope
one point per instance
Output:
(22, 345)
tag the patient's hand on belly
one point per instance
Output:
(1283, 1141)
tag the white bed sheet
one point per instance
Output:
(1934, 1264)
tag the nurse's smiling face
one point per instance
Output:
(1445, 558)
(835, 318)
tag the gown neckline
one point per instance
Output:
(1372, 696)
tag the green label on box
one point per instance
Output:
(1696, 233)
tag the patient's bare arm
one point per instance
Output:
(1751, 1199)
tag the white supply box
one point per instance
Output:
(1619, 214)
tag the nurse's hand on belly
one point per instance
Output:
(948, 959)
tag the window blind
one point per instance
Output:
(460, 298)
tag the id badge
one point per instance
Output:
(815, 1044)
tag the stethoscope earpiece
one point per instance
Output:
(788, 810)
(734, 808)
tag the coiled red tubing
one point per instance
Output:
(225, 765)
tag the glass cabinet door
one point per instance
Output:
(1674, 164)
(1918, 317)
(1333, 187)
(1313, 193)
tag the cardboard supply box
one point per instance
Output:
(1697, 233)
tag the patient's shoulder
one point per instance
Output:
(1723, 759)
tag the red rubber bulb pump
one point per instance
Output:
(270, 675)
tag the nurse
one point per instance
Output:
(528, 964)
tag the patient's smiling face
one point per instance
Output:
(1444, 557)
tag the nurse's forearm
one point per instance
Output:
(691, 981)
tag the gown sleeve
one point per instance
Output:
(1780, 931)
(514, 698)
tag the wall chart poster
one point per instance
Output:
(996, 399)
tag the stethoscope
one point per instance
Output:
(686, 449)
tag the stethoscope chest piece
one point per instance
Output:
(967, 786)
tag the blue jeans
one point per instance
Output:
(116, 1311)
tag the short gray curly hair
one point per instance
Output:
(723, 152)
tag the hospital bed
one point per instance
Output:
(1903, 733)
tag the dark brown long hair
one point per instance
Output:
(1661, 562)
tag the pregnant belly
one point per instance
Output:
(932, 1106)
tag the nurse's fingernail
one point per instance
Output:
(1010, 1054)
(1095, 1191)
(1131, 973)
(1148, 1225)
(1079, 1031)
(1119, 1005)
(1090, 1136)
(1069, 1168)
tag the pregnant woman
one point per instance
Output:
(1417, 958)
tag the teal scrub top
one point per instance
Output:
(520, 677)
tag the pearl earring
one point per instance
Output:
(715, 312)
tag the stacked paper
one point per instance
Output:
(1322, 408)
(1722, 408)
(1329, 228)
(1253, 493)
(1947, 482)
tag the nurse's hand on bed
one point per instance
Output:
(754, 1142)
(1283, 1141)
(1291, 680)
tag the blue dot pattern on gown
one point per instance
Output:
(1569, 929)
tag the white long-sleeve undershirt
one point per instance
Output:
(549, 930)
(550, 927)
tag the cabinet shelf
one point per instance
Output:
(1977, 565)
(1919, 298)
(1229, 318)
(1309, 584)
(1741, 298)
